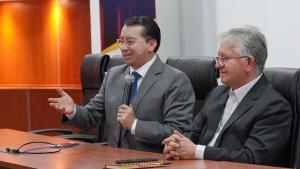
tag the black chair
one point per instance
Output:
(92, 72)
(287, 82)
(201, 72)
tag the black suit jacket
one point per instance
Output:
(256, 132)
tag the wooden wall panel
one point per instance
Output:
(14, 109)
(42, 115)
(42, 42)
(28, 43)
(75, 38)
(28, 109)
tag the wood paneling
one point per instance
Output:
(74, 39)
(28, 109)
(43, 42)
(14, 109)
(44, 116)
(28, 44)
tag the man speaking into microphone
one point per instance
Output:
(141, 112)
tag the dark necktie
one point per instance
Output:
(132, 98)
(133, 89)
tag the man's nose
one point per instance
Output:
(124, 47)
(219, 65)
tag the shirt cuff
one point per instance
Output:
(199, 152)
(70, 116)
(132, 130)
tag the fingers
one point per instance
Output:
(173, 138)
(172, 146)
(167, 140)
(178, 133)
(61, 92)
(171, 155)
(124, 107)
(55, 100)
(123, 111)
(57, 106)
(119, 117)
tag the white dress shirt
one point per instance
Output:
(235, 97)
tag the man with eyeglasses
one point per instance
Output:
(163, 97)
(245, 120)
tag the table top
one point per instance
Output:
(90, 155)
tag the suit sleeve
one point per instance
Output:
(92, 114)
(178, 104)
(268, 136)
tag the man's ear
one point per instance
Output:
(152, 44)
(250, 63)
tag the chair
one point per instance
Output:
(201, 72)
(92, 72)
(287, 82)
(115, 61)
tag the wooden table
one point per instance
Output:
(90, 156)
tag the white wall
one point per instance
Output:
(168, 19)
(190, 27)
(279, 20)
(95, 26)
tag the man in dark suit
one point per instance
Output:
(244, 120)
(163, 101)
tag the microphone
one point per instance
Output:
(129, 79)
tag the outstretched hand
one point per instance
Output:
(64, 104)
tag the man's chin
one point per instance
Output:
(224, 81)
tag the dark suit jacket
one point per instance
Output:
(164, 102)
(256, 132)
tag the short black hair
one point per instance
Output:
(151, 29)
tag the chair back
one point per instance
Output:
(201, 72)
(115, 60)
(287, 82)
(92, 72)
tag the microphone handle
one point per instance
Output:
(126, 95)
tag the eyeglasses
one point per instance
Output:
(127, 43)
(223, 60)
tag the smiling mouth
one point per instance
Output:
(126, 56)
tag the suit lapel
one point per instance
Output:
(246, 103)
(149, 80)
(214, 118)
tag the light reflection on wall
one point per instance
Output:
(35, 44)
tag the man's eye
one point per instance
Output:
(130, 42)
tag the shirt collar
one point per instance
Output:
(143, 69)
(242, 91)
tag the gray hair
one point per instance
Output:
(247, 41)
